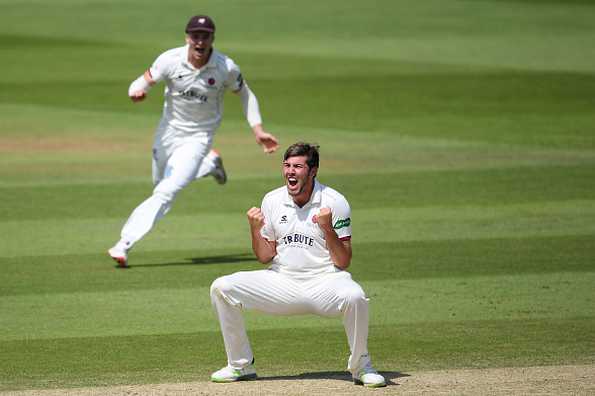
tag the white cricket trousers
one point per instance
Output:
(175, 165)
(274, 293)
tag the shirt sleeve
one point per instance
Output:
(160, 69)
(267, 231)
(342, 218)
(234, 81)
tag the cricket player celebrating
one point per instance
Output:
(196, 77)
(304, 230)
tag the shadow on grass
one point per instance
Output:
(334, 375)
(222, 259)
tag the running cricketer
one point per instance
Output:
(196, 77)
(303, 230)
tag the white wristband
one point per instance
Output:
(250, 105)
(140, 84)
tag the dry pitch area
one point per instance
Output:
(550, 380)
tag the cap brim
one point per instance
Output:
(200, 30)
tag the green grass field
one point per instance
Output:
(462, 133)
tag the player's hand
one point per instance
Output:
(268, 142)
(324, 219)
(138, 96)
(255, 218)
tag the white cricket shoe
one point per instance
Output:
(219, 172)
(369, 377)
(119, 255)
(230, 374)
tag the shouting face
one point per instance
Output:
(299, 179)
(200, 44)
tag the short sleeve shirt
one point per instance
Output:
(194, 97)
(301, 246)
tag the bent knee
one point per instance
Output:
(223, 289)
(355, 295)
(220, 286)
(167, 190)
(166, 197)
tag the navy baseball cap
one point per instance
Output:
(200, 23)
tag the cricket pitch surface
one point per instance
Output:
(546, 380)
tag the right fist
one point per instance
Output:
(138, 96)
(255, 218)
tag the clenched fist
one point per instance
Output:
(324, 219)
(138, 96)
(255, 218)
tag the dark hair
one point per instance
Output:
(310, 151)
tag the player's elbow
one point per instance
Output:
(264, 260)
(264, 256)
(342, 264)
(264, 250)
(342, 261)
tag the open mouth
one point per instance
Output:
(292, 181)
(201, 51)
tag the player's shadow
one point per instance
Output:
(333, 375)
(222, 259)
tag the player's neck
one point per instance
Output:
(304, 197)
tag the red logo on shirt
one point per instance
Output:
(212, 81)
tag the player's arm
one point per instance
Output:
(140, 87)
(268, 142)
(339, 248)
(264, 249)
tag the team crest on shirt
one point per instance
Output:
(209, 82)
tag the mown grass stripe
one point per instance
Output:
(477, 222)
(370, 190)
(218, 230)
(374, 260)
(186, 310)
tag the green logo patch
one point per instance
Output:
(341, 223)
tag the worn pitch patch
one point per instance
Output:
(550, 380)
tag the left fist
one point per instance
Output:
(324, 219)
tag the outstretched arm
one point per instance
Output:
(340, 250)
(140, 87)
(264, 249)
(268, 142)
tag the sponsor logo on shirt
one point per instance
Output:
(342, 223)
(283, 219)
(194, 96)
(298, 240)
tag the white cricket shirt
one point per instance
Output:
(194, 97)
(301, 247)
